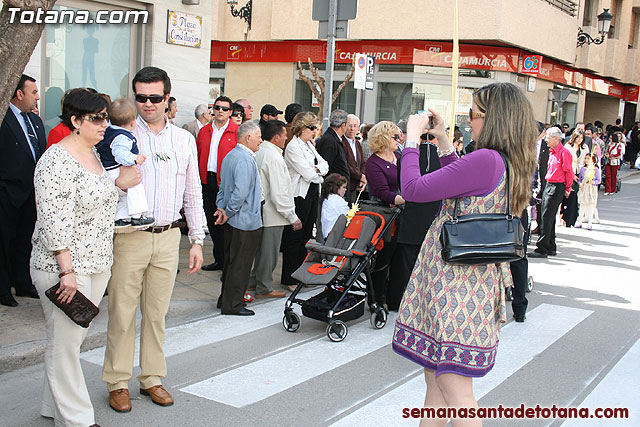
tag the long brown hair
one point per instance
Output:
(574, 137)
(509, 126)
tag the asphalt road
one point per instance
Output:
(579, 347)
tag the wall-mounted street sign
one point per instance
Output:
(184, 29)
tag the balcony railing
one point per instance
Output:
(567, 6)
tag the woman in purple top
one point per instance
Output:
(450, 315)
(381, 171)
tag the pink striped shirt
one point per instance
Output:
(170, 176)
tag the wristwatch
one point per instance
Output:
(198, 242)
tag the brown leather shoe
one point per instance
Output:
(272, 294)
(119, 400)
(158, 394)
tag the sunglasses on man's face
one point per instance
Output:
(155, 99)
(97, 117)
(220, 107)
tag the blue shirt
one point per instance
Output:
(239, 193)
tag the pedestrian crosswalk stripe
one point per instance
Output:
(615, 391)
(183, 338)
(266, 377)
(544, 325)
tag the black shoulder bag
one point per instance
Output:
(480, 239)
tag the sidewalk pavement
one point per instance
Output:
(22, 331)
(22, 334)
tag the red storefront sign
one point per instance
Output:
(416, 52)
(383, 51)
(531, 64)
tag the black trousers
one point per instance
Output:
(240, 250)
(16, 229)
(293, 242)
(381, 271)
(209, 194)
(403, 260)
(570, 206)
(520, 275)
(551, 199)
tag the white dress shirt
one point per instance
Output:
(212, 165)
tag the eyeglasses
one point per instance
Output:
(396, 138)
(312, 128)
(220, 107)
(155, 99)
(272, 115)
(237, 114)
(475, 114)
(97, 117)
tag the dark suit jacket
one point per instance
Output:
(331, 149)
(417, 217)
(16, 159)
(356, 166)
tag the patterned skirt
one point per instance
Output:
(450, 316)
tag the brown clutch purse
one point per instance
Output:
(81, 310)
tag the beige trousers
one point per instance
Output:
(65, 397)
(143, 272)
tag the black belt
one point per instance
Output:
(163, 228)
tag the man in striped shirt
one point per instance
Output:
(146, 261)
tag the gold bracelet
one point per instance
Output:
(64, 273)
(60, 251)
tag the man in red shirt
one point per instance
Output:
(559, 179)
(214, 142)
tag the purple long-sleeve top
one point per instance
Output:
(596, 179)
(476, 174)
(382, 177)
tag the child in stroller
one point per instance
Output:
(343, 264)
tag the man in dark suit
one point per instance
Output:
(330, 145)
(22, 142)
(413, 226)
(355, 158)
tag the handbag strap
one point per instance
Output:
(456, 208)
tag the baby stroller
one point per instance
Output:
(343, 264)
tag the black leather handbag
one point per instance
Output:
(481, 239)
(80, 309)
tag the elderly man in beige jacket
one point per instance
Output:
(278, 210)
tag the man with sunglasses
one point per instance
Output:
(22, 141)
(146, 261)
(214, 142)
(267, 113)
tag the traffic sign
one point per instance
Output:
(347, 9)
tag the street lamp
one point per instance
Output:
(242, 13)
(604, 23)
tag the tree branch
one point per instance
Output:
(344, 83)
(16, 46)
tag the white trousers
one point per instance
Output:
(65, 397)
(133, 202)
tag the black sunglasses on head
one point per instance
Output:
(220, 107)
(155, 99)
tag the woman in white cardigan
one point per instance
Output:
(306, 168)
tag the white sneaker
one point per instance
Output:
(578, 225)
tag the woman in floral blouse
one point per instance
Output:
(72, 244)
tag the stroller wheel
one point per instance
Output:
(529, 284)
(378, 319)
(508, 294)
(337, 331)
(291, 321)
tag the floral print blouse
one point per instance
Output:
(76, 210)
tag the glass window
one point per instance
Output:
(89, 55)
(216, 88)
(346, 100)
(394, 101)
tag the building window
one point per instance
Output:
(587, 17)
(634, 29)
(394, 101)
(217, 74)
(90, 55)
(346, 100)
(616, 11)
